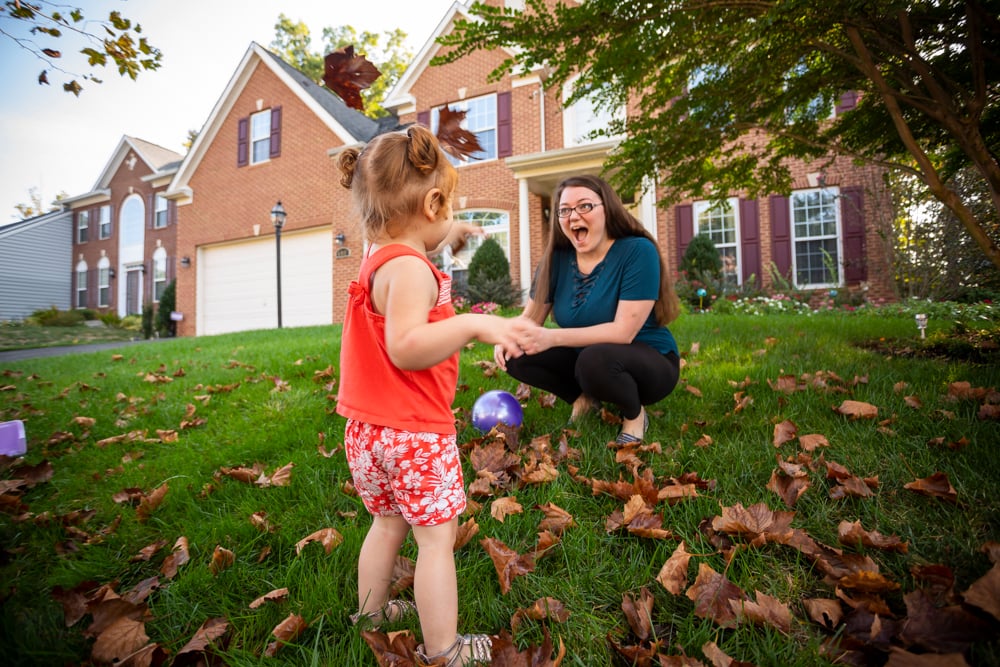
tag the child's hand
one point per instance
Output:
(530, 336)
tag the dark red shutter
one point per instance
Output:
(853, 220)
(243, 142)
(505, 139)
(111, 221)
(150, 211)
(424, 118)
(171, 212)
(781, 236)
(93, 298)
(275, 131)
(848, 101)
(750, 241)
(684, 218)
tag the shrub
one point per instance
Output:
(164, 325)
(111, 319)
(489, 276)
(53, 317)
(147, 320)
(701, 259)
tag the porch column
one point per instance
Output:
(524, 235)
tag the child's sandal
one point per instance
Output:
(481, 652)
(394, 610)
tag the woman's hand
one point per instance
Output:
(531, 337)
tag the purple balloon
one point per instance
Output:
(496, 407)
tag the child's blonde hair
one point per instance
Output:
(391, 175)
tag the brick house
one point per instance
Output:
(267, 140)
(124, 231)
(274, 136)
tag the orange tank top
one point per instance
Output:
(374, 390)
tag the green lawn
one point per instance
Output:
(19, 336)
(131, 456)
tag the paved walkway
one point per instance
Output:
(19, 355)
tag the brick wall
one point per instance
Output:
(228, 201)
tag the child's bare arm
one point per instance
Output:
(412, 342)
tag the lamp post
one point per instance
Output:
(921, 319)
(278, 219)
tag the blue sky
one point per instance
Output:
(57, 142)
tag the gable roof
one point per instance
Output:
(349, 125)
(400, 95)
(160, 161)
(19, 226)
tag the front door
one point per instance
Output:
(133, 291)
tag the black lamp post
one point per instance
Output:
(278, 219)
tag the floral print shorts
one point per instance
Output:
(416, 475)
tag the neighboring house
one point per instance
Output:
(124, 230)
(34, 254)
(274, 135)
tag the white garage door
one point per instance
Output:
(238, 285)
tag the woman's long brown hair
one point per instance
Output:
(619, 224)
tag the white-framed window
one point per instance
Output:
(160, 215)
(815, 218)
(103, 283)
(721, 223)
(159, 273)
(104, 216)
(260, 136)
(583, 117)
(82, 226)
(496, 225)
(81, 284)
(480, 119)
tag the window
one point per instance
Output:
(721, 224)
(480, 119)
(82, 226)
(583, 117)
(81, 285)
(159, 273)
(260, 137)
(816, 237)
(496, 224)
(104, 216)
(104, 283)
(160, 219)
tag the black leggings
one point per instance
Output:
(627, 375)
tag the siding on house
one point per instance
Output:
(34, 254)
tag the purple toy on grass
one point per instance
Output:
(496, 407)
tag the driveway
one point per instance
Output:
(19, 355)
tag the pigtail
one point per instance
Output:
(422, 149)
(348, 162)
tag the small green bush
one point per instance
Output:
(701, 259)
(489, 276)
(111, 319)
(164, 325)
(53, 317)
(147, 320)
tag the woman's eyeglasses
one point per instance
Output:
(582, 209)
